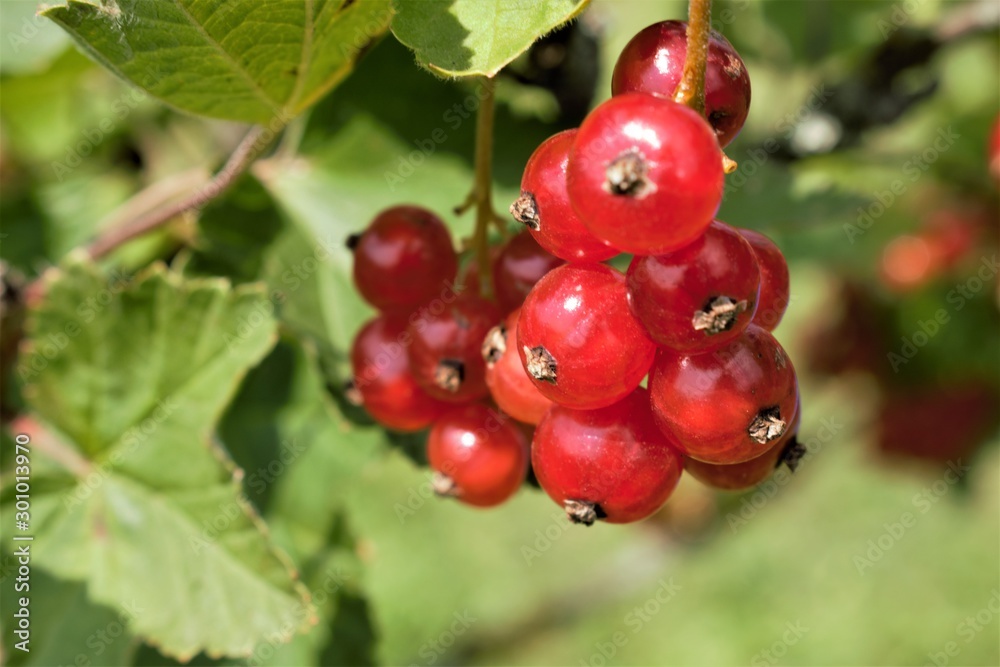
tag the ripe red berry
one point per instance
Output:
(774, 281)
(611, 463)
(447, 339)
(479, 456)
(786, 450)
(699, 297)
(381, 367)
(653, 61)
(404, 259)
(645, 174)
(726, 406)
(509, 383)
(545, 209)
(520, 264)
(578, 340)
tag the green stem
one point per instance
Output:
(252, 145)
(482, 189)
(691, 90)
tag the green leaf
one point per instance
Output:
(66, 628)
(242, 60)
(129, 379)
(476, 37)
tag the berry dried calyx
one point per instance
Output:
(544, 206)
(648, 161)
(479, 456)
(725, 406)
(509, 384)
(699, 297)
(578, 341)
(610, 464)
(445, 352)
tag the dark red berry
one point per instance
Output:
(699, 297)
(786, 450)
(479, 456)
(726, 406)
(579, 341)
(653, 61)
(404, 259)
(382, 378)
(509, 383)
(520, 264)
(545, 209)
(645, 174)
(994, 150)
(446, 352)
(611, 463)
(774, 281)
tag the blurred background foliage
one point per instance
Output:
(838, 163)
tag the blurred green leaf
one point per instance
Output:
(30, 42)
(129, 380)
(242, 60)
(66, 627)
(472, 37)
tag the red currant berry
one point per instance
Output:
(383, 380)
(404, 259)
(653, 61)
(445, 354)
(611, 463)
(645, 174)
(479, 456)
(786, 450)
(520, 264)
(774, 281)
(699, 297)
(578, 340)
(726, 406)
(545, 209)
(509, 383)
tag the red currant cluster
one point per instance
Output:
(642, 175)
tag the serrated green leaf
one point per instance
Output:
(129, 379)
(242, 60)
(476, 37)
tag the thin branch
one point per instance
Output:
(691, 90)
(246, 152)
